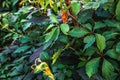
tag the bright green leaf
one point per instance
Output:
(64, 28)
(49, 35)
(92, 67)
(75, 7)
(54, 19)
(101, 42)
(5, 21)
(118, 10)
(56, 55)
(56, 34)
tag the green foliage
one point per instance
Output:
(107, 69)
(85, 47)
(64, 28)
(101, 44)
(92, 66)
(75, 7)
(78, 32)
(89, 40)
(118, 11)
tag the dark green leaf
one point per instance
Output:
(68, 73)
(99, 25)
(90, 51)
(107, 69)
(44, 56)
(111, 53)
(118, 47)
(84, 16)
(63, 38)
(110, 35)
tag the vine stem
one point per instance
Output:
(74, 19)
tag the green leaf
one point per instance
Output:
(110, 35)
(68, 73)
(56, 34)
(54, 19)
(101, 42)
(64, 28)
(25, 9)
(75, 7)
(25, 39)
(63, 38)
(22, 49)
(14, 2)
(84, 16)
(92, 67)
(60, 66)
(107, 69)
(15, 36)
(47, 44)
(99, 25)
(56, 55)
(88, 26)
(49, 27)
(44, 56)
(78, 32)
(5, 21)
(118, 10)
(118, 47)
(91, 5)
(112, 23)
(49, 35)
(112, 53)
(26, 26)
(90, 51)
(89, 40)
